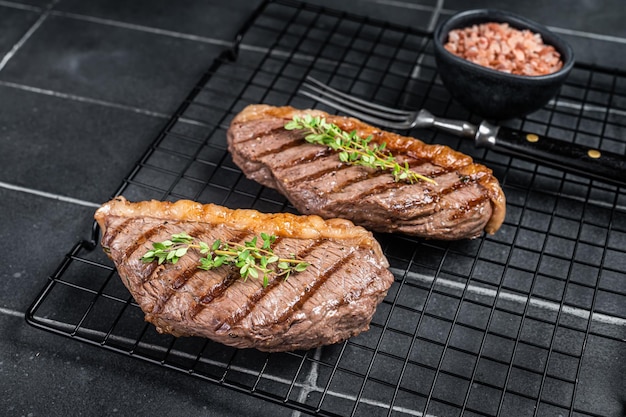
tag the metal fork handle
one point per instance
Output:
(456, 127)
(592, 163)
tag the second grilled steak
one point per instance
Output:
(332, 300)
(465, 201)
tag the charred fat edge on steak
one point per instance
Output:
(466, 200)
(332, 300)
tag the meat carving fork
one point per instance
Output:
(589, 162)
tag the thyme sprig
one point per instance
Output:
(252, 261)
(352, 148)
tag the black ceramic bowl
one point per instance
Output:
(491, 93)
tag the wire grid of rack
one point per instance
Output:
(499, 325)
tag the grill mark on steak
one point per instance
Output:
(192, 271)
(257, 297)
(316, 286)
(317, 171)
(267, 130)
(382, 187)
(215, 291)
(142, 239)
(282, 148)
(325, 153)
(469, 206)
(266, 139)
(315, 175)
(365, 176)
(171, 289)
(301, 151)
(307, 159)
(127, 226)
(185, 276)
(149, 271)
(112, 231)
(455, 186)
(295, 140)
(220, 288)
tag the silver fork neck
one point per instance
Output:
(456, 127)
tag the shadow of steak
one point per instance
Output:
(333, 299)
(465, 200)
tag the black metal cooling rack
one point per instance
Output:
(529, 321)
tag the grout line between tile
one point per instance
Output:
(432, 23)
(10, 312)
(410, 6)
(90, 100)
(142, 28)
(83, 99)
(509, 296)
(310, 385)
(21, 6)
(588, 107)
(46, 194)
(588, 35)
(125, 25)
(16, 47)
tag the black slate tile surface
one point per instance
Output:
(110, 63)
(211, 21)
(406, 13)
(48, 229)
(31, 4)
(14, 23)
(68, 140)
(46, 375)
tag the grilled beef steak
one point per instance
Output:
(465, 200)
(333, 299)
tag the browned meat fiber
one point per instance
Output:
(465, 201)
(332, 300)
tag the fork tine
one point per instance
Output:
(363, 104)
(352, 106)
(356, 113)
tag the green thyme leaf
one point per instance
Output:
(353, 149)
(250, 260)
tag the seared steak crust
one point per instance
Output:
(466, 200)
(332, 300)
